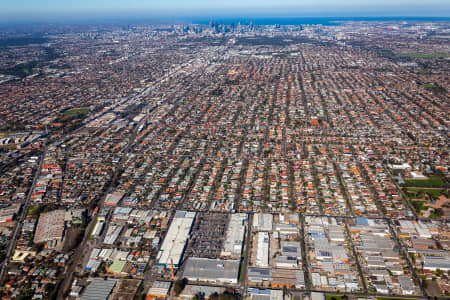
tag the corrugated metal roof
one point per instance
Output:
(99, 289)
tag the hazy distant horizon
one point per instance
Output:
(257, 20)
(182, 10)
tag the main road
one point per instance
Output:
(244, 263)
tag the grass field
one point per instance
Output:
(419, 205)
(434, 87)
(75, 111)
(423, 55)
(429, 85)
(330, 296)
(429, 182)
(33, 211)
(92, 230)
(434, 192)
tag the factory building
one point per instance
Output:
(235, 236)
(262, 222)
(211, 270)
(262, 251)
(50, 228)
(99, 289)
(174, 244)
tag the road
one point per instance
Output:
(23, 215)
(246, 255)
(305, 264)
(355, 255)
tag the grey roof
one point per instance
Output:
(211, 269)
(286, 259)
(259, 273)
(99, 289)
(437, 262)
(162, 284)
(406, 283)
(291, 249)
(300, 276)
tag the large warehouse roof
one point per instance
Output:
(216, 270)
(99, 289)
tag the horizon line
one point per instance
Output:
(108, 18)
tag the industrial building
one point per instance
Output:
(259, 275)
(99, 289)
(211, 270)
(50, 228)
(407, 285)
(262, 251)
(257, 294)
(114, 198)
(174, 244)
(98, 228)
(292, 249)
(159, 290)
(112, 234)
(235, 236)
(262, 222)
(433, 263)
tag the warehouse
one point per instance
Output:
(259, 275)
(99, 289)
(286, 229)
(300, 279)
(433, 263)
(114, 198)
(211, 270)
(407, 285)
(292, 249)
(257, 294)
(262, 222)
(262, 251)
(174, 244)
(98, 228)
(283, 261)
(235, 236)
(112, 234)
(159, 290)
(50, 228)
(336, 233)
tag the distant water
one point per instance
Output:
(312, 20)
(257, 20)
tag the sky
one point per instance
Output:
(48, 9)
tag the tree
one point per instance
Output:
(198, 296)
(179, 286)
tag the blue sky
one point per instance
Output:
(36, 9)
